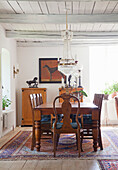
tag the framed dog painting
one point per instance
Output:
(48, 71)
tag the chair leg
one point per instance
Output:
(57, 140)
(33, 139)
(81, 142)
(54, 143)
(52, 135)
(77, 141)
(100, 140)
(78, 135)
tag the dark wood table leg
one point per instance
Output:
(33, 138)
(95, 118)
(38, 134)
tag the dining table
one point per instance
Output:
(85, 108)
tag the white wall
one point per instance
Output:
(28, 60)
(10, 45)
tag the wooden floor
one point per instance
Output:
(68, 164)
(50, 165)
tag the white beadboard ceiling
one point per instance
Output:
(40, 22)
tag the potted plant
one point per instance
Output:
(111, 89)
(83, 93)
(5, 102)
(114, 89)
(106, 92)
(76, 93)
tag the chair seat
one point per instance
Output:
(74, 125)
(45, 122)
(87, 119)
(45, 118)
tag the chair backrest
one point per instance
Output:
(116, 102)
(98, 102)
(41, 99)
(66, 111)
(36, 99)
(33, 100)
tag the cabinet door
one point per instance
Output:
(26, 106)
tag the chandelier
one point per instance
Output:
(67, 63)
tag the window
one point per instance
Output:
(103, 67)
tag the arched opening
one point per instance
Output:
(5, 74)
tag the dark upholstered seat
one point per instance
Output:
(45, 118)
(59, 125)
(86, 119)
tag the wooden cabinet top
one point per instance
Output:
(34, 88)
(71, 90)
(78, 88)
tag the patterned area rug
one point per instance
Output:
(108, 164)
(18, 148)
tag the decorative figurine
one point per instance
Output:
(34, 82)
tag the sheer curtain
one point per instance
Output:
(103, 67)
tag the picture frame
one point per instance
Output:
(48, 71)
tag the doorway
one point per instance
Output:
(5, 80)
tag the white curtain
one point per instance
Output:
(103, 67)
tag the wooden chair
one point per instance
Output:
(36, 99)
(116, 103)
(33, 105)
(66, 126)
(45, 119)
(87, 121)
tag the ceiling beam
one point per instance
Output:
(57, 43)
(57, 19)
(61, 0)
(57, 35)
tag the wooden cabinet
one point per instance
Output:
(26, 106)
(71, 90)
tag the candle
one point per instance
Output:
(62, 80)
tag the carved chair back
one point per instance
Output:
(66, 111)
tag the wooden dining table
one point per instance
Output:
(85, 108)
